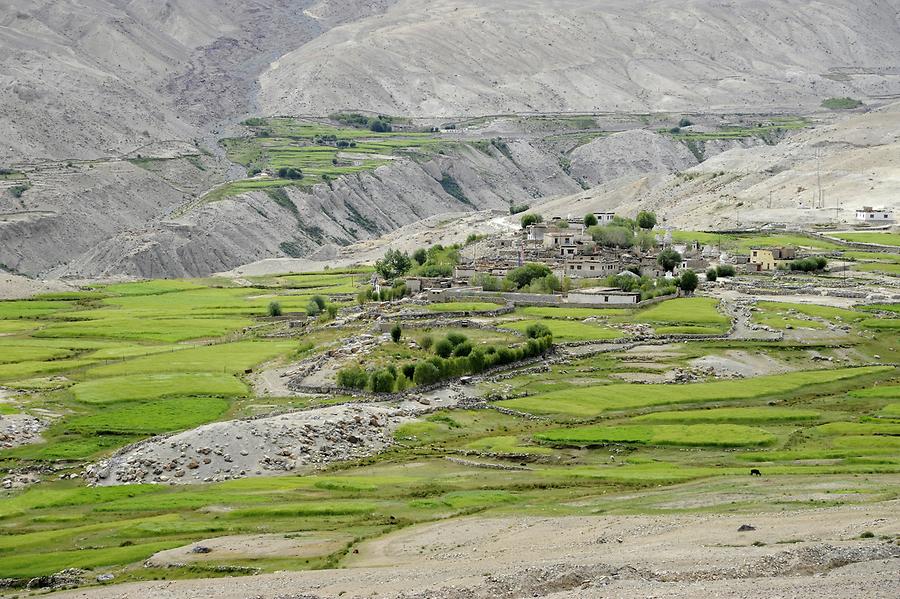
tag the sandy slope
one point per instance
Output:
(808, 554)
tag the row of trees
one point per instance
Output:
(529, 278)
(811, 264)
(452, 356)
(645, 220)
(317, 306)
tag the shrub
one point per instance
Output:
(396, 332)
(462, 350)
(688, 281)
(420, 256)
(725, 270)
(590, 220)
(289, 172)
(531, 219)
(320, 301)
(485, 281)
(402, 383)
(456, 338)
(537, 330)
(426, 342)
(518, 208)
(525, 274)
(313, 308)
(332, 311)
(408, 370)
(477, 360)
(381, 381)
(443, 348)
(352, 377)
(684, 122)
(711, 275)
(426, 373)
(19, 190)
(811, 264)
(274, 309)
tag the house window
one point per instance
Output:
(606, 298)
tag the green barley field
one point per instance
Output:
(587, 432)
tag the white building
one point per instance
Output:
(603, 295)
(867, 214)
(605, 218)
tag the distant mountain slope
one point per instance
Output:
(89, 78)
(450, 57)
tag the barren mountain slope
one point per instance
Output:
(448, 57)
(89, 78)
(858, 158)
(221, 235)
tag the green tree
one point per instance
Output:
(420, 256)
(443, 348)
(274, 309)
(381, 381)
(426, 342)
(668, 259)
(531, 218)
(320, 301)
(646, 220)
(426, 373)
(525, 274)
(313, 308)
(590, 220)
(394, 264)
(711, 275)
(613, 236)
(645, 240)
(396, 332)
(688, 281)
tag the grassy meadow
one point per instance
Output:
(593, 433)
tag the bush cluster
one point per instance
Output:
(812, 264)
(453, 356)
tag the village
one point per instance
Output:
(604, 259)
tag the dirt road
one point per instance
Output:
(816, 554)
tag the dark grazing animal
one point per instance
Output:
(755, 472)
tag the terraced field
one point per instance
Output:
(614, 431)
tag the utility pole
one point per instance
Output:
(770, 199)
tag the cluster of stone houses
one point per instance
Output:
(565, 246)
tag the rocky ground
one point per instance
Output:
(814, 554)
(298, 441)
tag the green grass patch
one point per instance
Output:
(153, 386)
(880, 392)
(149, 418)
(886, 268)
(691, 435)
(226, 358)
(158, 329)
(892, 239)
(714, 415)
(595, 400)
(564, 330)
(506, 444)
(685, 312)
